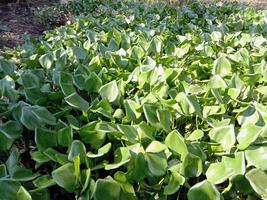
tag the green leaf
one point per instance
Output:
(7, 89)
(39, 157)
(256, 156)
(44, 181)
(100, 152)
(28, 119)
(77, 149)
(157, 163)
(79, 52)
(41, 194)
(46, 60)
(248, 133)
(32, 88)
(165, 119)
(155, 147)
(188, 104)
(93, 83)
(195, 135)
(64, 136)
(65, 177)
(12, 161)
(203, 191)
(23, 194)
(91, 134)
(218, 173)
(56, 156)
(230, 166)
(66, 83)
(213, 110)
(191, 166)
(156, 45)
(9, 189)
(110, 91)
(242, 185)
(94, 63)
(7, 67)
(43, 115)
(3, 171)
(257, 179)
(121, 157)
(151, 114)
(222, 67)
(77, 102)
(30, 80)
(225, 135)
(45, 138)
(236, 162)
(216, 36)
(137, 53)
(22, 174)
(175, 181)
(131, 108)
(11, 129)
(107, 189)
(175, 142)
(129, 132)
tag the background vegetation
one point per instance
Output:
(137, 101)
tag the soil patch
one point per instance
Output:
(17, 19)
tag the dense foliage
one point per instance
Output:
(138, 101)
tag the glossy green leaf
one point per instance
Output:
(66, 83)
(7, 67)
(23, 174)
(248, 133)
(9, 189)
(129, 132)
(3, 171)
(256, 156)
(235, 162)
(204, 191)
(157, 164)
(155, 147)
(257, 179)
(175, 181)
(195, 135)
(77, 102)
(11, 129)
(218, 173)
(44, 181)
(23, 194)
(90, 134)
(191, 166)
(93, 83)
(77, 149)
(64, 136)
(107, 189)
(131, 110)
(137, 53)
(110, 91)
(122, 156)
(46, 60)
(225, 135)
(100, 152)
(45, 138)
(222, 66)
(175, 142)
(65, 177)
(43, 115)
